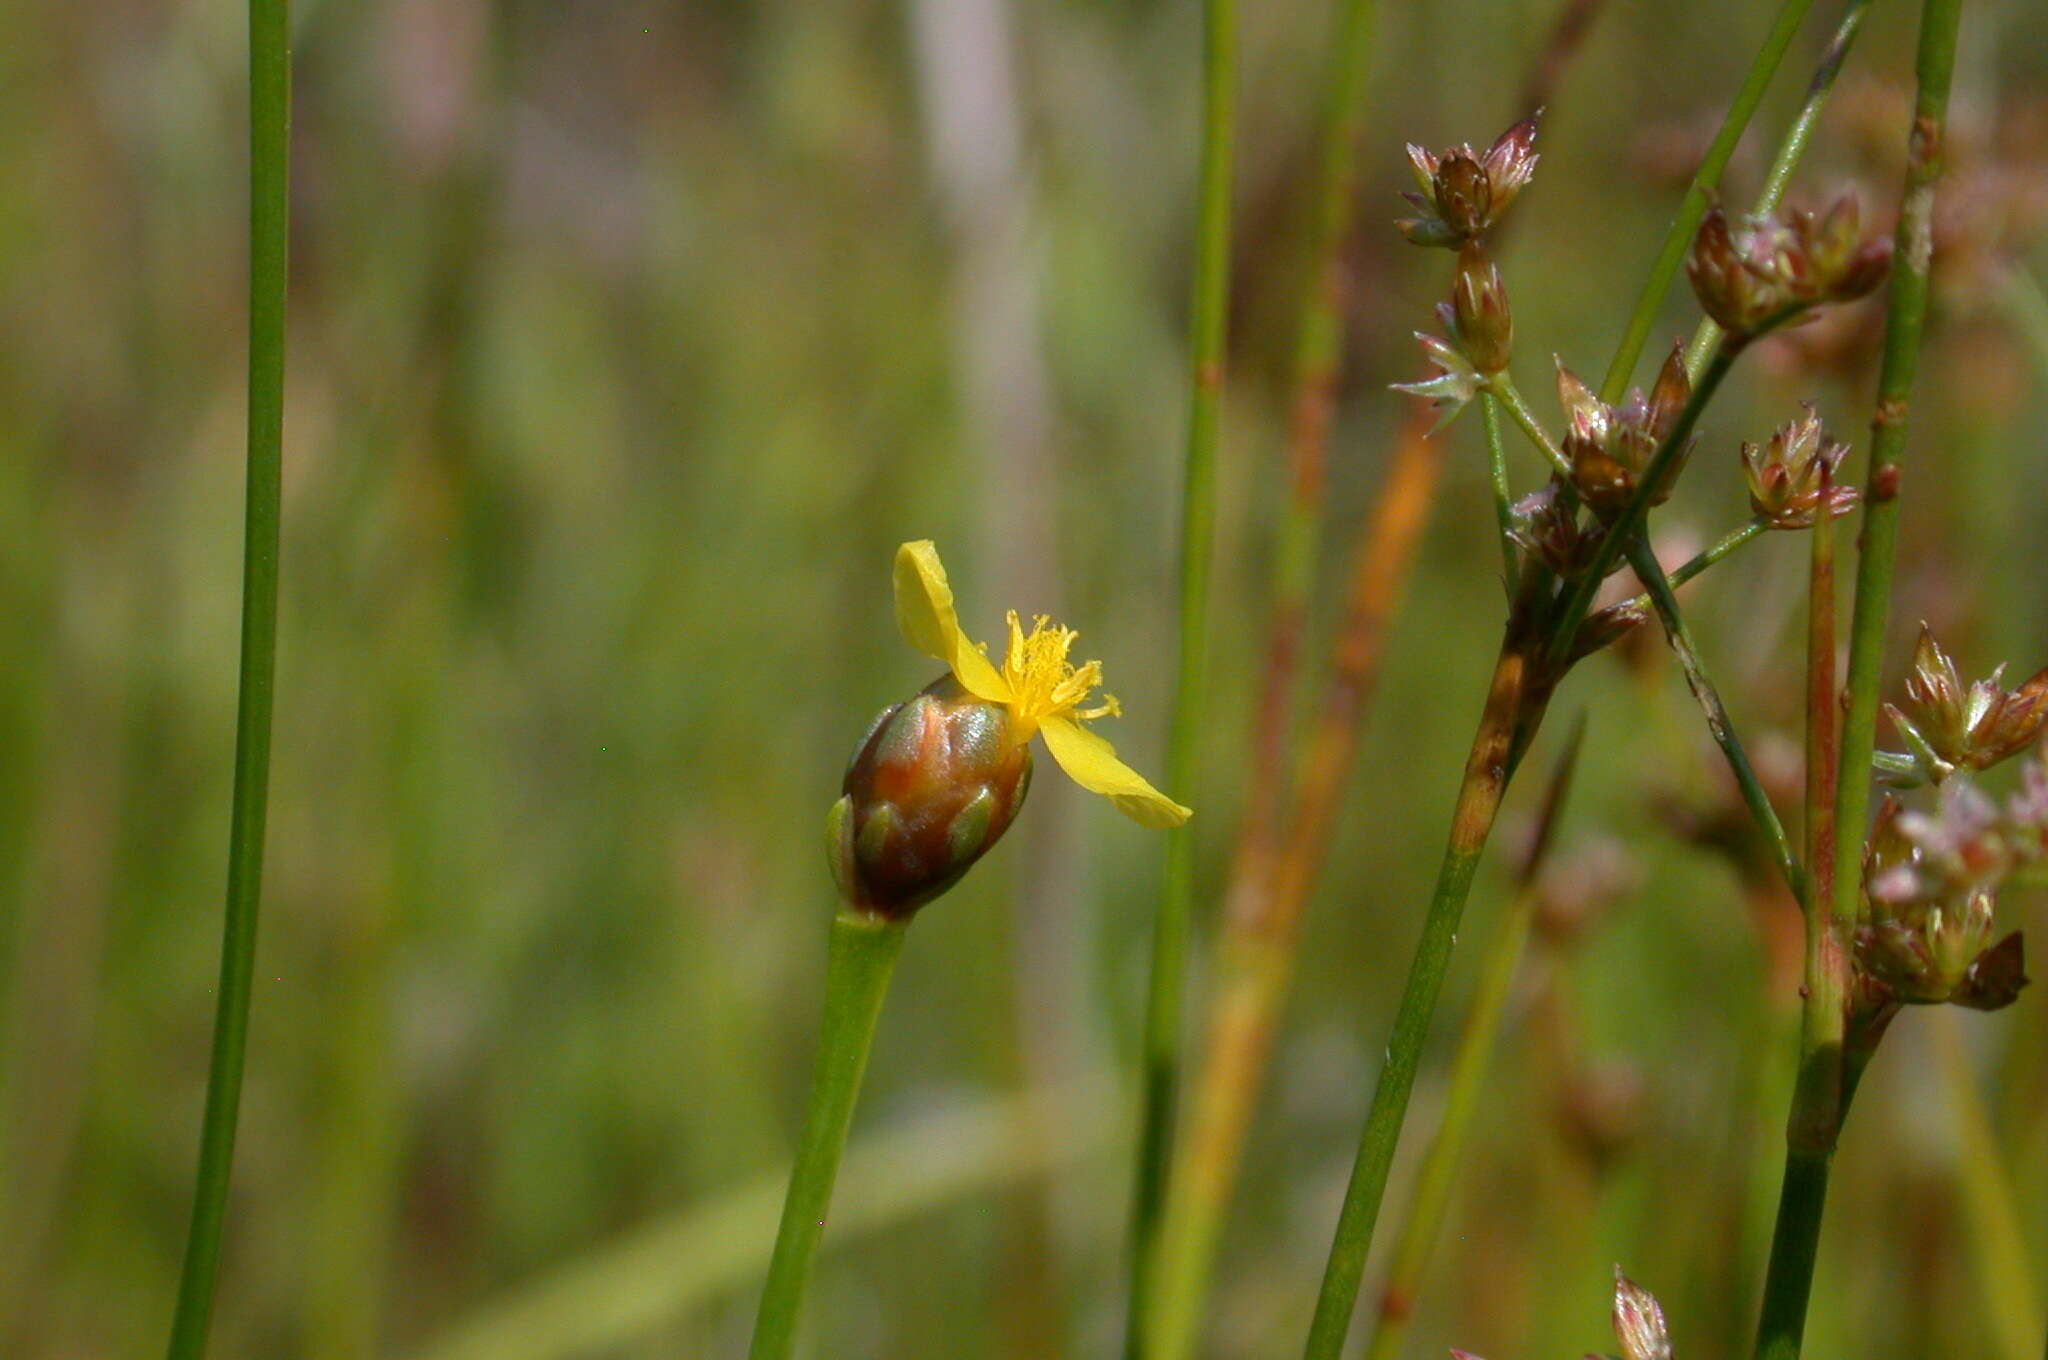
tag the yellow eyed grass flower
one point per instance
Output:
(1042, 692)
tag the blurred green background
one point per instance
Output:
(627, 340)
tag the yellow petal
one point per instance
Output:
(1091, 762)
(924, 611)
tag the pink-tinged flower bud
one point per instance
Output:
(1463, 192)
(1769, 270)
(1542, 525)
(1480, 319)
(1950, 726)
(1930, 887)
(934, 784)
(1639, 1321)
(1610, 447)
(1792, 477)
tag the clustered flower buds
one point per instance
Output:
(1610, 446)
(1792, 477)
(1949, 726)
(1931, 890)
(933, 785)
(1546, 526)
(1464, 192)
(1769, 270)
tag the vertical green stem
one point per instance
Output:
(1423, 1222)
(1693, 206)
(1826, 1080)
(1479, 795)
(269, 166)
(1161, 1057)
(863, 955)
(1906, 316)
(1794, 1240)
(1789, 151)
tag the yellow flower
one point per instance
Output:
(1042, 691)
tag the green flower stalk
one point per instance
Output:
(270, 76)
(933, 785)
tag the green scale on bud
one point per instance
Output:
(935, 783)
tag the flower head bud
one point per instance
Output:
(1770, 269)
(1479, 316)
(1930, 887)
(1463, 192)
(934, 784)
(1639, 1321)
(1546, 527)
(1792, 477)
(1610, 447)
(1950, 726)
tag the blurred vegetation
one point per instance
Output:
(627, 341)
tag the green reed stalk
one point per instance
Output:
(1424, 1219)
(1693, 206)
(1789, 151)
(269, 169)
(1479, 795)
(1165, 994)
(1820, 1100)
(862, 957)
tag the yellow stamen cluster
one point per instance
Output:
(1043, 683)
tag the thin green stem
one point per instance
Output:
(1487, 770)
(862, 956)
(1789, 151)
(1828, 1067)
(1693, 206)
(1502, 385)
(269, 165)
(1662, 597)
(1503, 499)
(1423, 1221)
(1161, 1058)
(1794, 1241)
(1906, 317)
